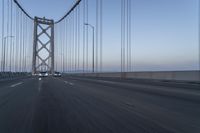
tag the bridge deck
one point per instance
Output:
(85, 105)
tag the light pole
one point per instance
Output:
(92, 45)
(2, 56)
(4, 49)
(11, 52)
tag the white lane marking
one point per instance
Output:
(14, 85)
(39, 85)
(111, 82)
(69, 83)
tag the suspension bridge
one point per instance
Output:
(86, 98)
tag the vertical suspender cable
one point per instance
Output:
(78, 37)
(127, 34)
(84, 36)
(2, 46)
(64, 43)
(73, 41)
(130, 30)
(124, 41)
(101, 35)
(70, 43)
(23, 45)
(55, 43)
(66, 46)
(61, 48)
(24, 38)
(75, 37)
(59, 34)
(60, 42)
(56, 48)
(60, 45)
(25, 63)
(75, 12)
(28, 46)
(63, 39)
(122, 35)
(7, 39)
(17, 39)
(63, 51)
(67, 30)
(199, 35)
(14, 42)
(97, 33)
(19, 45)
(21, 31)
(22, 42)
(69, 37)
(11, 39)
(58, 60)
(87, 55)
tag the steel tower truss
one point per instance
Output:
(43, 28)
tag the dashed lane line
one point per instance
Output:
(17, 84)
(69, 83)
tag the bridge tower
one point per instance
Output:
(43, 46)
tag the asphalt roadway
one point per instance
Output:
(86, 105)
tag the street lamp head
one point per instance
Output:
(89, 25)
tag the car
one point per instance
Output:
(43, 74)
(57, 74)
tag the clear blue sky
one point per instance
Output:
(164, 32)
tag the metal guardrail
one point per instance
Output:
(189, 76)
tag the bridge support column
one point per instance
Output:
(43, 44)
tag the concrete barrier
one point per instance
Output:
(170, 75)
(158, 75)
(12, 75)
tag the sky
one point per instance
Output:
(164, 32)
